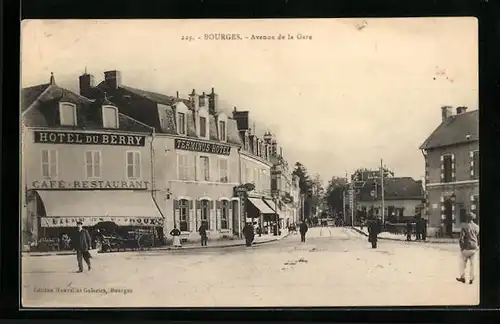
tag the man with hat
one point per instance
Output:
(82, 243)
(469, 244)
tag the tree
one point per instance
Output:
(305, 185)
(334, 193)
(363, 174)
(305, 182)
(318, 193)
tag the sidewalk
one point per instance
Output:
(186, 246)
(402, 237)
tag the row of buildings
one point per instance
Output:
(114, 153)
(451, 186)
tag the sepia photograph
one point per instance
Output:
(249, 163)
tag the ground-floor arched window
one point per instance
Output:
(184, 215)
(205, 208)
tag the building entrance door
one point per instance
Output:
(448, 221)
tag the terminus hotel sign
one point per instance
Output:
(89, 138)
(188, 145)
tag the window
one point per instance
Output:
(224, 214)
(93, 164)
(203, 127)
(134, 164)
(205, 212)
(223, 170)
(49, 163)
(222, 130)
(463, 215)
(181, 124)
(184, 215)
(67, 114)
(447, 168)
(109, 117)
(205, 168)
(475, 207)
(183, 166)
(475, 165)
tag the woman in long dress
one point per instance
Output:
(177, 236)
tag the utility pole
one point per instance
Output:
(382, 189)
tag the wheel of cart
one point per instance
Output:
(145, 241)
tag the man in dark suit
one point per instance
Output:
(82, 243)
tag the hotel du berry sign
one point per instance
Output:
(89, 138)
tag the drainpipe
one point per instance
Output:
(241, 196)
(153, 183)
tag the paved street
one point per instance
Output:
(335, 267)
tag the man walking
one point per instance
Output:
(303, 230)
(374, 228)
(203, 233)
(248, 232)
(82, 243)
(469, 244)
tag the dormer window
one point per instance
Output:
(181, 123)
(203, 123)
(222, 130)
(67, 114)
(203, 127)
(109, 117)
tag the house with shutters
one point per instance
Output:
(82, 160)
(403, 198)
(451, 155)
(195, 154)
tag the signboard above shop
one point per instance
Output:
(203, 147)
(89, 138)
(93, 184)
(91, 221)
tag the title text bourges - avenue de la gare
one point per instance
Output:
(237, 37)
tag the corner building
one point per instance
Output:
(452, 171)
(82, 160)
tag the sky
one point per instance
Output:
(359, 91)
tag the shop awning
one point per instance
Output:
(125, 208)
(271, 204)
(261, 206)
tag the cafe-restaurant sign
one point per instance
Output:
(89, 138)
(195, 146)
(91, 221)
(93, 184)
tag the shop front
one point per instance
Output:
(103, 212)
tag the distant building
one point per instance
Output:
(452, 170)
(403, 198)
(82, 160)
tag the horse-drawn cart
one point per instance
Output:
(111, 237)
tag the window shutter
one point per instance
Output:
(198, 215)
(442, 168)
(176, 213)
(218, 214)
(471, 164)
(192, 217)
(453, 173)
(230, 216)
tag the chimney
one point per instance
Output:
(177, 94)
(86, 82)
(113, 79)
(461, 110)
(213, 102)
(242, 120)
(52, 79)
(446, 112)
(195, 100)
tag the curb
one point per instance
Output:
(34, 254)
(397, 240)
